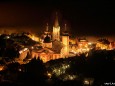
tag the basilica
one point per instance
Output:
(54, 45)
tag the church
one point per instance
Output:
(53, 45)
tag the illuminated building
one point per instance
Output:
(22, 55)
(65, 41)
(112, 45)
(46, 32)
(83, 45)
(52, 46)
(103, 44)
(47, 39)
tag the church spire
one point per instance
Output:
(65, 31)
(56, 29)
(47, 27)
(65, 27)
(56, 24)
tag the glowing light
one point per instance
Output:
(20, 69)
(70, 77)
(89, 43)
(1, 68)
(86, 82)
(86, 55)
(60, 70)
(49, 75)
(102, 46)
(25, 49)
(21, 51)
(7, 37)
(32, 47)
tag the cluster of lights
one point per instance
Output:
(88, 81)
(102, 46)
(21, 51)
(70, 77)
(83, 48)
(61, 70)
(58, 70)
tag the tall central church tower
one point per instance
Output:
(56, 29)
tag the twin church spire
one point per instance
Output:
(56, 29)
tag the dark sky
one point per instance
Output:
(83, 18)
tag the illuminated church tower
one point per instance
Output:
(47, 38)
(47, 32)
(65, 41)
(56, 29)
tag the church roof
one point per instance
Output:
(45, 50)
(57, 46)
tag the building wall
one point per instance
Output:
(65, 41)
(45, 56)
(23, 55)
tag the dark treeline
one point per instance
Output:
(99, 65)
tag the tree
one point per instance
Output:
(35, 72)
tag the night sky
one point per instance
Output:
(83, 18)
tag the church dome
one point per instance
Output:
(47, 39)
